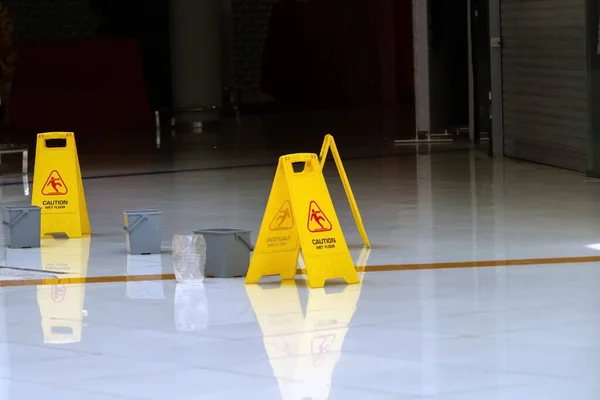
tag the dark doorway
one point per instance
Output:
(339, 53)
(480, 40)
(448, 65)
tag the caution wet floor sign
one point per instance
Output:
(57, 186)
(300, 216)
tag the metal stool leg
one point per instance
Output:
(25, 161)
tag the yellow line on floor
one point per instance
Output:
(483, 264)
(368, 268)
(88, 279)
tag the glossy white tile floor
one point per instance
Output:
(502, 333)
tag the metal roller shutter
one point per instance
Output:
(544, 79)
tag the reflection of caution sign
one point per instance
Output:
(57, 186)
(57, 292)
(324, 249)
(317, 220)
(61, 299)
(54, 185)
(303, 347)
(283, 219)
(320, 347)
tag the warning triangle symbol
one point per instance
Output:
(317, 220)
(55, 185)
(320, 346)
(283, 219)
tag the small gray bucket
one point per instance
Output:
(227, 251)
(22, 226)
(142, 228)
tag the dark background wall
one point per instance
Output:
(56, 20)
(145, 20)
(405, 86)
(250, 29)
(361, 50)
(338, 53)
(117, 50)
(48, 20)
(148, 22)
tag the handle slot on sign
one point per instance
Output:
(299, 166)
(62, 330)
(302, 163)
(56, 143)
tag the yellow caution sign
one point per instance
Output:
(61, 301)
(304, 348)
(57, 186)
(329, 145)
(300, 215)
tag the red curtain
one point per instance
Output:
(345, 51)
(284, 68)
(93, 87)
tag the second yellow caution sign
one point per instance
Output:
(57, 186)
(300, 216)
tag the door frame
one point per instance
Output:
(497, 134)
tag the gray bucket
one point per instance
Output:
(22, 226)
(142, 228)
(227, 251)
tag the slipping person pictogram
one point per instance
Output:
(317, 220)
(283, 219)
(283, 215)
(317, 217)
(55, 185)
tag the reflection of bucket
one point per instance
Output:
(58, 292)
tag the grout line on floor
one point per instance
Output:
(41, 271)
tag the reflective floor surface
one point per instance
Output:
(487, 290)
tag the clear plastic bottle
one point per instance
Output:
(189, 258)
